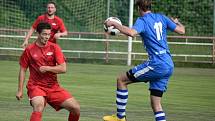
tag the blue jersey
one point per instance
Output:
(152, 28)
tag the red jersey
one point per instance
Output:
(56, 24)
(34, 57)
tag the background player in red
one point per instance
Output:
(58, 29)
(45, 60)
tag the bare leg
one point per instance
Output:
(38, 104)
(156, 103)
(73, 107)
(157, 108)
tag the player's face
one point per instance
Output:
(44, 36)
(51, 9)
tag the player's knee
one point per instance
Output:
(75, 108)
(156, 96)
(38, 107)
(123, 80)
(120, 81)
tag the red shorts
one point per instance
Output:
(54, 95)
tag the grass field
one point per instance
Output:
(190, 96)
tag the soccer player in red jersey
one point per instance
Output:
(45, 60)
(58, 29)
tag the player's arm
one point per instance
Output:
(123, 29)
(180, 29)
(30, 32)
(126, 30)
(60, 34)
(21, 79)
(61, 68)
(62, 31)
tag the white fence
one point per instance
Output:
(184, 48)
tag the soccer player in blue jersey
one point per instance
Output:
(152, 27)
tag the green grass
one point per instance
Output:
(190, 96)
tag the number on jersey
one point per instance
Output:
(158, 29)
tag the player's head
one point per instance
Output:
(144, 5)
(44, 32)
(51, 8)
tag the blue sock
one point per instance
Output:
(160, 116)
(121, 102)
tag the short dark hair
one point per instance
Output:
(52, 2)
(144, 5)
(43, 25)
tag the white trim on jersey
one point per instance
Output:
(143, 71)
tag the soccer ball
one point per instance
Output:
(111, 30)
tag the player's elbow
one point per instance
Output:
(63, 70)
(180, 30)
(132, 33)
(65, 33)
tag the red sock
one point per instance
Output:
(73, 117)
(36, 116)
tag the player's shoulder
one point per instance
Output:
(53, 45)
(58, 18)
(41, 16)
(30, 47)
(161, 15)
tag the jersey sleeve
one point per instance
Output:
(59, 55)
(24, 59)
(36, 22)
(170, 24)
(139, 25)
(62, 26)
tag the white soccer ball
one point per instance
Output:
(111, 30)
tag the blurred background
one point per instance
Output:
(87, 42)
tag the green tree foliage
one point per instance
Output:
(89, 15)
(196, 15)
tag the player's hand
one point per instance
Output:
(108, 23)
(19, 95)
(57, 35)
(25, 44)
(44, 69)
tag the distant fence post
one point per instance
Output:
(106, 48)
(213, 52)
(131, 10)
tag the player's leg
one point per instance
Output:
(73, 107)
(139, 73)
(37, 100)
(60, 98)
(155, 98)
(157, 88)
(121, 99)
(38, 104)
(122, 95)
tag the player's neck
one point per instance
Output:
(50, 16)
(39, 43)
(144, 13)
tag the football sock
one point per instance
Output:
(121, 102)
(160, 116)
(36, 116)
(73, 117)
